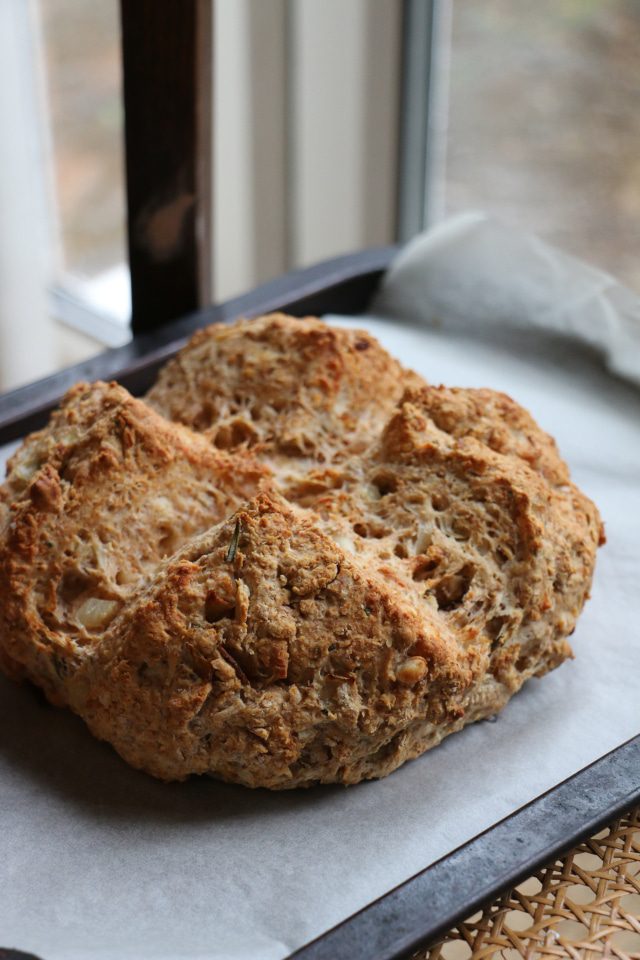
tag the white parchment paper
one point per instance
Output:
(99, 861)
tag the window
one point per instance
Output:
(336, 126)
(82, 69)
(543, 130)
(306, 104)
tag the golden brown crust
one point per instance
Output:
(296, 391)
(278, 668)
(95, 502)
(494, 419)
(388, 562)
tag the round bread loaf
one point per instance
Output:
(294, 562)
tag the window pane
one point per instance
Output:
(544, 130)
(82, 56)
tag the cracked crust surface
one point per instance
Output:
(297, 394)
(93, 504)
(295, 562)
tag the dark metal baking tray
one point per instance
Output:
(425, 906)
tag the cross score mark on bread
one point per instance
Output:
(293, 562)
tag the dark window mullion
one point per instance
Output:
(166, 50)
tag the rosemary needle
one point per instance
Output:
(233, 546)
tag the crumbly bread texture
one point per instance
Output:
(297, 393)
(93, 504)
(294, 563)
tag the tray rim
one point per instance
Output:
(458, 884)
(353, 277)
(423, 907)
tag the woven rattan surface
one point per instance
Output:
(586, 905)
